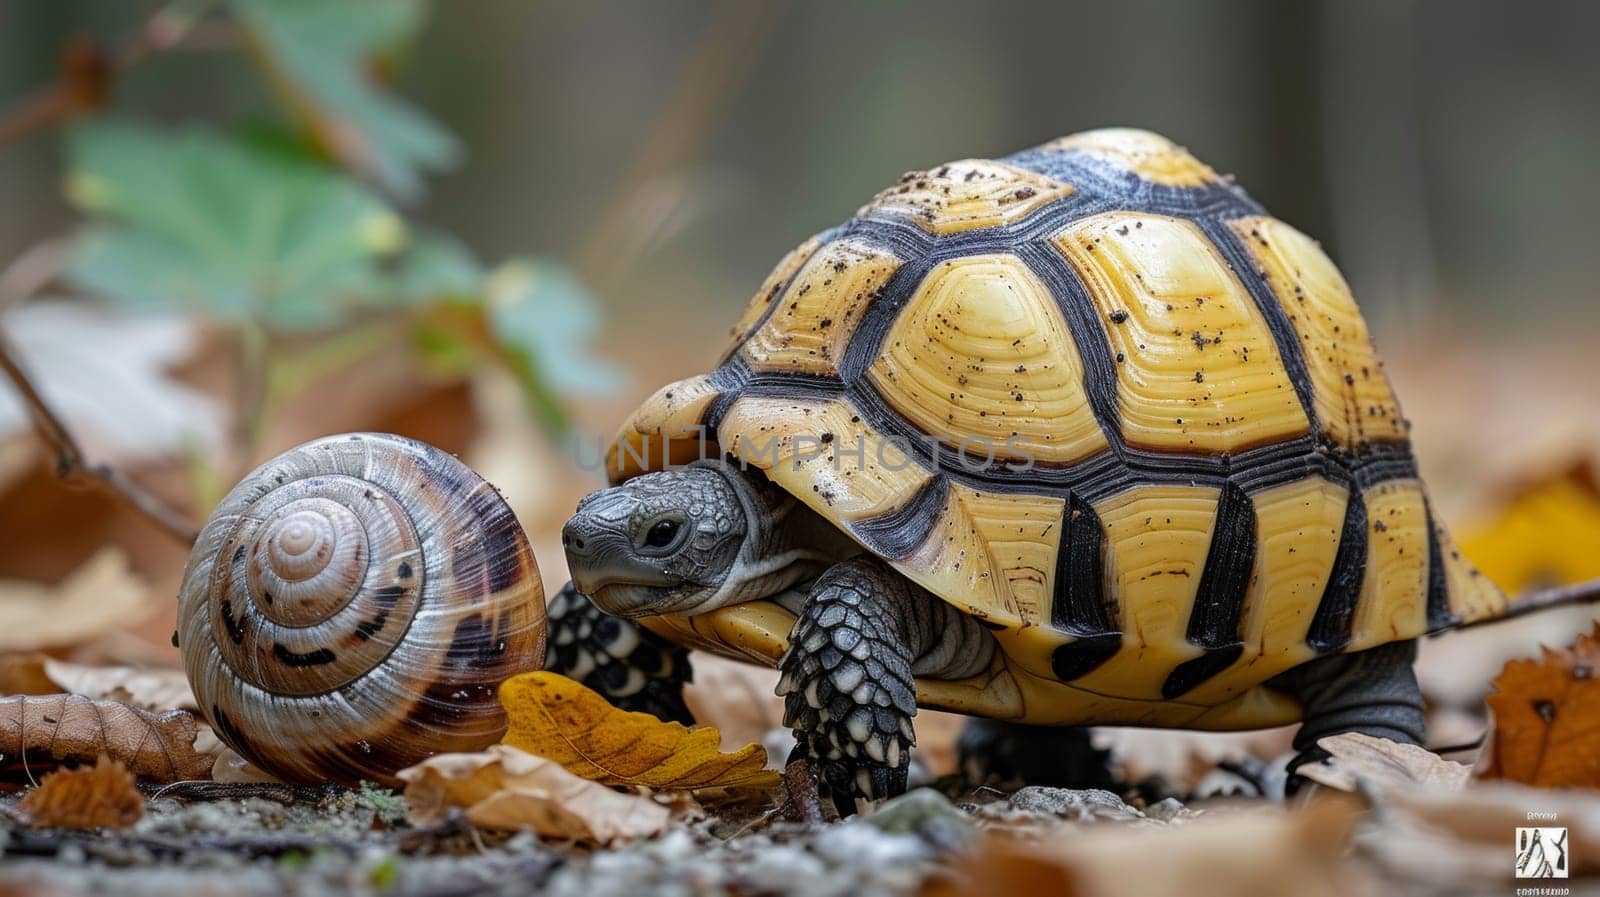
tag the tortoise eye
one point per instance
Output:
(662, 534)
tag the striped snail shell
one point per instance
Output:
(352, 606)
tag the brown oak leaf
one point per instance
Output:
(1546, 725)
(554, 717)
(98, 796)
(39, 734)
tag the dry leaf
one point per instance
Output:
(1183, 757)
(149, 689)
(65, 730)
(739, 700)
(1360, 759)
(555, 717)
(236, 770)
(937, 735)
(23, 674)
(1546, 726)
(1544, 533)
(98, 796)
(102, 596)
(1461, 841)
(1254, 853)
(505, 788)
(105, 372)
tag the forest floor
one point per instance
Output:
(1036, 840)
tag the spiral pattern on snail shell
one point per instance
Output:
(352, 606)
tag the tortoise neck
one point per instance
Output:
(785, 544)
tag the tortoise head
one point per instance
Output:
(668, 542)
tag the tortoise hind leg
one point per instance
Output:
(1015, 753)
(632, 667)
(849, 677)
(1374, 692)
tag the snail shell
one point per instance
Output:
(352, 606)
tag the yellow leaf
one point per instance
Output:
(557, 718)
(1542, 534)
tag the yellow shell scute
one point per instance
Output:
(768, 294)
(1146, 154)
(1473, 596)
(823, 453)
(811, 323)
(982, 353)
(966, 195)
(1394, 595)
(1157, 539)
(1298, 528)
(1197, 367)
(993, 555)
(664, 431)
(1354, 402)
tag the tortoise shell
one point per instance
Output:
(1093, 395)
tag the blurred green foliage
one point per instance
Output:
(283, 231)
(190, 221)
(319, 54)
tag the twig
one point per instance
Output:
(73, 467)
(699, 94)
(803, 803)
(88, 71)
(250, 394)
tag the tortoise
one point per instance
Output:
(1077, 436)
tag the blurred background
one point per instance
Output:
(496, 226)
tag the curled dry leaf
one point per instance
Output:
(1245, 854)
(555, 717)
(1358, 758)
(1547, 718)
(505, 788)
(70, 730)
(148, 689)
(98, 796)
(100, 597)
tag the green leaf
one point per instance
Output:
(193, 222)
(319, 54)
(437, 268)
(545, 320)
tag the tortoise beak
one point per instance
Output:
(600, 551)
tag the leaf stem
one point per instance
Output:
(73, 467)
(250, 392)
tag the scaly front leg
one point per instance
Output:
(849, 676)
